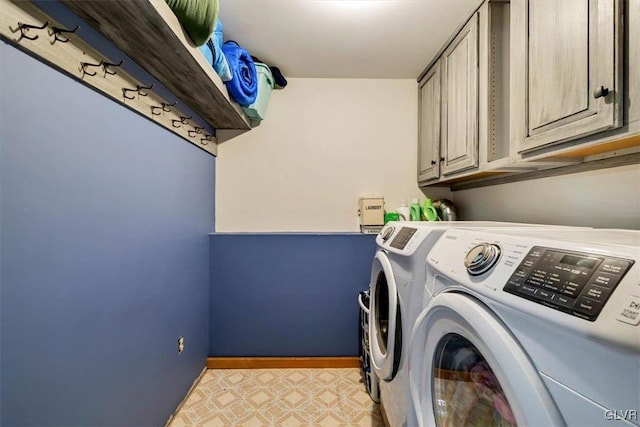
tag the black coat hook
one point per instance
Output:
(106, 66)
(138, 89)
(175, 123)
(126, 90)
(154, 108)
(196, 130)
(24, 29)
(207, 139)
(183, 119)
(165, 106)
(85, 65)
(56, 33)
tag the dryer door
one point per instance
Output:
(466, 369)
(385, 329)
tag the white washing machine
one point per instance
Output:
(397, 287)
(529, 328)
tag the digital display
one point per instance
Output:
(579, 261)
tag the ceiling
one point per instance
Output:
(387, 39)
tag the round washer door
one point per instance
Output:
(466, 369)
(385, 329)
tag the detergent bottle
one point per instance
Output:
(429, 212)
(415, 210)
(403, 211)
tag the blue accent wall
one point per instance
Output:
(104, 263)
(287, 294)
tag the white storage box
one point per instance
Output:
(371, 211)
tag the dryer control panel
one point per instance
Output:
(574, 282)
(402, 238)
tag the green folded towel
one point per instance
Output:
(198, 17)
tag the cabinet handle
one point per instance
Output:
(442, 159)
(433, 162)
(600, 92)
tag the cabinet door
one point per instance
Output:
(460, 101)
(570, 63)
(429, 125)
(633, 70)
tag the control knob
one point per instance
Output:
(481, 258)
(386, 234)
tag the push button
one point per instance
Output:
(522, 273)
(631, 311)
(614, 266)
(605, 280)
(546, 296)
(597, 293)
(512, 285)
(528, 290)
(565, 301)
(588, 306)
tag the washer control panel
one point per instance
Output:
(402, 238)
(573, 282)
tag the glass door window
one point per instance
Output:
(466, 391)
(381, 311)
(385, 327)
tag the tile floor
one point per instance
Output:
(279, 398)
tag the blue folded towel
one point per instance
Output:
(243, 87)
(212, 50)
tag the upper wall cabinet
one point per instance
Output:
(459, 65)
(566, 70)
(429, 125)
(526, 86)
(448, 109)
(464, 102)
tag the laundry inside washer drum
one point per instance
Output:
(466, 391)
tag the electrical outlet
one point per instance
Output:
(180, 345)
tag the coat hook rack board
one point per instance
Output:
(27, 27)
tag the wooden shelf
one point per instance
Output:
(72, 56)
(150, 34)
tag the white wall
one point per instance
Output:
(323, 144)
(604, 198)
(327, 142)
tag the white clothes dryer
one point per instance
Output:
(397, 286)
(399, 259)
(529, 328)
